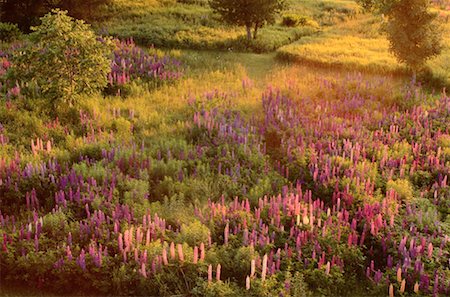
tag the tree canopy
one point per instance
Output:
(63, 59)
(411, 29)
(249, 13)
(26, 13)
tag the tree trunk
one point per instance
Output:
(249, 32)
(255, 30)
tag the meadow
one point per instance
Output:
(306, 163)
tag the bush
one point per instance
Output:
(402, 187)
(290, 20)
(194, 233)
(9, 32)
(293, 20)
(64, 59)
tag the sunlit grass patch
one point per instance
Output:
(348, 52)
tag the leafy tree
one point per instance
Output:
(63, 59)
(249, 13)
(26, 13)
(411, 29)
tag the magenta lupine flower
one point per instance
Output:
(81, 260)
(36, 242)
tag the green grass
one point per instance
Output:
(358, 45)
(347, 52)
(190, 24)
(256, 66)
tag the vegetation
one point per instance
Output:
(26, 13)
(204, 168)
(249, 13)
(411, 28)
(63, 59)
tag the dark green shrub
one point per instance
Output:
(294, 20)
(9, 32)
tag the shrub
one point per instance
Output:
(194, 233)
(9, 32)
(64, 59)
(290, 20)
(402, 187)
(293, 20)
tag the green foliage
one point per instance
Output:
(216, 289)
(402, 187)
(194, 233)
(248, 13)
(413, 33)
(26, 13)
(9, 32)
(64, 59)
(412, 30)
(293, 20)
(298, 286)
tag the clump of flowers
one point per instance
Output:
(131, 62)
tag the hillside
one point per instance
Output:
(307, 162)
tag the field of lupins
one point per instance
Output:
(337, 186)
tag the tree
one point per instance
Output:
(26, 13)
(249, 13)
(63, 59)
(412, 31)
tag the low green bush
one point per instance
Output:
(9, 32)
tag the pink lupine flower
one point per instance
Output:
(327, 270)
(416, 288)
(218, 272)
(209, 273)
(195, 260)
(402, 286)
(264, 268)
(180, 252)
(252, 268)
(172, 250)
(69, 253)
(430, 250)
(247, 283)
(120, 240)
(202, 251)
(226, 233)
(164, 256)
(143, 271)
(399, 274)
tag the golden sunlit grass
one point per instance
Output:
(348, 52)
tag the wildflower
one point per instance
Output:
(264, 268)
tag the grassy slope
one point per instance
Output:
(168, 23)
(358, 45)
